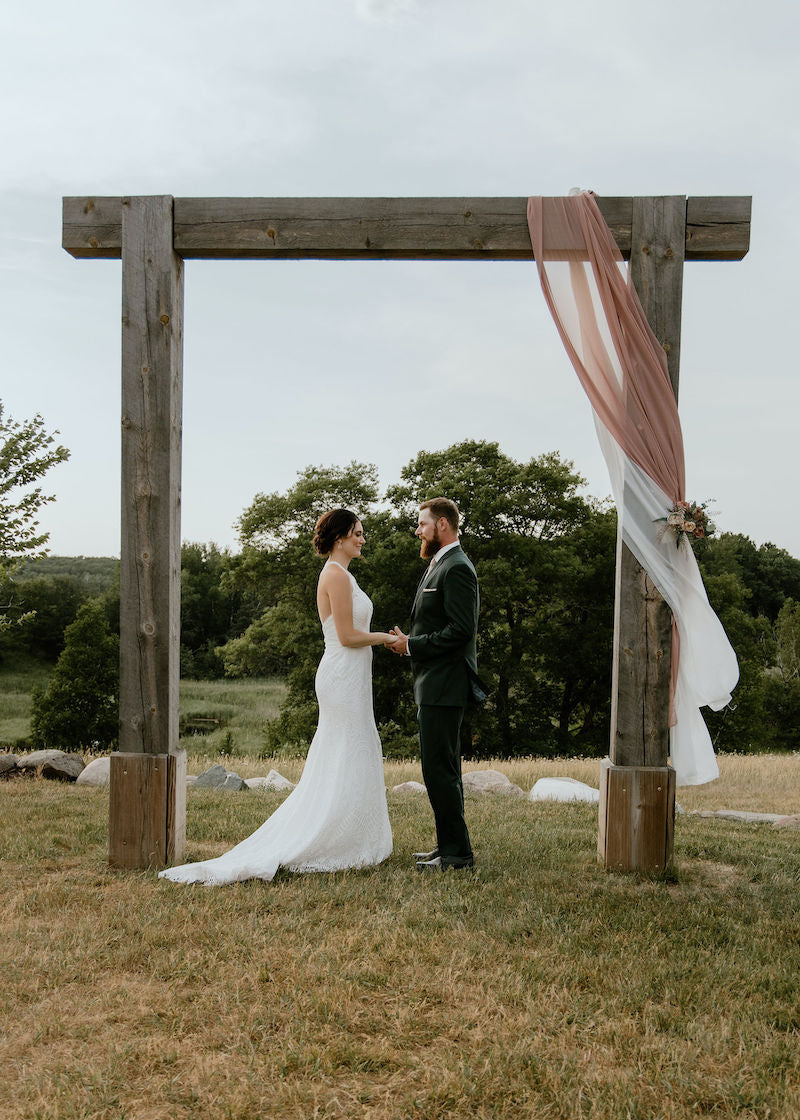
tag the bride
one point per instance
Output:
(336, 817)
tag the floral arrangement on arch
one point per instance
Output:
(688, 519)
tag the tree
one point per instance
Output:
(27, 452)
(45, 608)
(546, 597)
(787, 632)
(79, 707)
(768, 573)
(212, 609)
(279, 568)
(545, 560)
(546, 590)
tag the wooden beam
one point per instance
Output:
(717, 228)
(637, 787)
(642, 620)
(152, 368)
(658, 242)
(147, 810)
(636, 817)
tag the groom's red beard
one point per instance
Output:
(428, 549)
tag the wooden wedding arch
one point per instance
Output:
(153, 235)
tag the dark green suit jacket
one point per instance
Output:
(444, 625)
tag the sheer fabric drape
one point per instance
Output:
(624, 372)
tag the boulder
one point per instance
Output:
(8, 763)
(32, 762)
(212, 778)
(96, 773)
(52, 764)
(409, 787)
(491, 781)
(217, 777)
(563, 789)
(273, 780)
(792, 821)
(64, 769)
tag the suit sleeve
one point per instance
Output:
(460, 605)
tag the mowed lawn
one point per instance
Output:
(538, 986)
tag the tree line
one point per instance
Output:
(545, 558)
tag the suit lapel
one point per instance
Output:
(434, 575)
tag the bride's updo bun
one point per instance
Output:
(331, 527)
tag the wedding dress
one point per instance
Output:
(336, 817)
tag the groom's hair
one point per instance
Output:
(443, 507)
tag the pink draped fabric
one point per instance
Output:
(623, 370)
(638, 409)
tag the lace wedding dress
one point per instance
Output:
(336, 817)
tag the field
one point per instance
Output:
(236, 711)
(537, 986)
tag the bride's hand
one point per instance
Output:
(400, 643)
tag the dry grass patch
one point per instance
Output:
(538, 986)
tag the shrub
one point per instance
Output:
(79, 707)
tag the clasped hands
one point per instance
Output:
(400, 644)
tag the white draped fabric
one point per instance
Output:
(623, 370)
(707, 666)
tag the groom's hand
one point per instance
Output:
(401, 645)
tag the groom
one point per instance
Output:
(441, 645)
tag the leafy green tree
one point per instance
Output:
(782, 686)
(50, 605)
(541, 594)
(279, 568)
(545, 558)
(27, 452)
(787, 633)
(769, 574)
(741, 726)
(212, 609)
(95, 574)
(546, 592)
(79, 707)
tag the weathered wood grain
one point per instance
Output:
(381, 228)
(657, 256)
(137, 834)
(152, 362)
(642, 621)
(176, 807)
(718, 229)
(636, 810)
(638, 790)
(640, 673)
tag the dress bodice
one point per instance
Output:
(362, 614)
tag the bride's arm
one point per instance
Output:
(335, 583)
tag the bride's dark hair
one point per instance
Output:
(331, 527)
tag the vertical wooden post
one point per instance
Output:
(147, 803)
(637, 790)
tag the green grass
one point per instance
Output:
(16, 684)
(539, 986)
(241, 707)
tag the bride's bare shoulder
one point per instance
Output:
(333, 573)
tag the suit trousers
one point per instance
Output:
(439, 739)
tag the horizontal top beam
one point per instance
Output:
(717, 229)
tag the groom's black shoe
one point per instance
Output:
(451, 863)
(426, 855)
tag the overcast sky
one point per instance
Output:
(293, 363)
